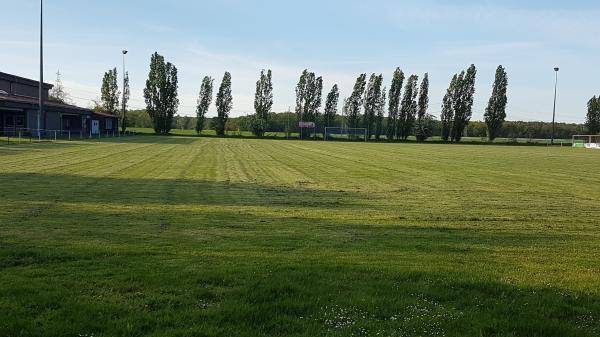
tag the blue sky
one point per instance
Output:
(336, 39)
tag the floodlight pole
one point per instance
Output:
(556, 69)
(123, 101)
(41, 88)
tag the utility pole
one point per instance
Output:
(123, 101)
(41, 88)
(556, 69)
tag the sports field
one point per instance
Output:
(175, 236)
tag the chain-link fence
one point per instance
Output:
(9, 136)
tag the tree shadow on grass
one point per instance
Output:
(349, 300)
(37, 187)
(150, 139)
(152, 269)
(13, 149)
(271, 296)
(239, 232)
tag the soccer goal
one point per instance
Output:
(333, 133)
(586, 141)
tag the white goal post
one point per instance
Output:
(345, 133)
(586, 141)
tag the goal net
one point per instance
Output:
(586, 141)
(333, 133)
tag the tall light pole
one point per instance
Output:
(41, 89)
(556, 69)
(123, 101)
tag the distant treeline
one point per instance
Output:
(287, 122)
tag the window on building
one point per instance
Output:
(109, 125)
(14, 121)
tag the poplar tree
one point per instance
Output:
(593, 116)
(203, 103)
(308, 96)
(263, 102)
(408, 109)
(447, 116)
(423, 103)
(395, 95)
(380, 112)
(331, 106)
(352, 104)
(313, 98)
(125, 102)
(463, 102)
(161, 93)
(495, 113)
(423, 126)
(110, 92)
(301, 95)
(224, 104)
(371, 103)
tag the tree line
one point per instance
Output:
(396, 114)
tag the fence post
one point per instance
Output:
(54, 135)
(69, 134)
(19, 137)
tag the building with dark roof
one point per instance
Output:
(19, 112)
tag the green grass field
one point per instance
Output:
(176, 236)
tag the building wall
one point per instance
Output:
(52, 120)
(32, 119)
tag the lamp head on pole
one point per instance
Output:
(124, 52)
(556, 69)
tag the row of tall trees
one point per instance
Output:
(224, 103)
(407, 103)
(405, 111)
(457, 105)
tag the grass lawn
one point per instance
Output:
(187, 236)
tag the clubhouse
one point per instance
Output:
(19, 112)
